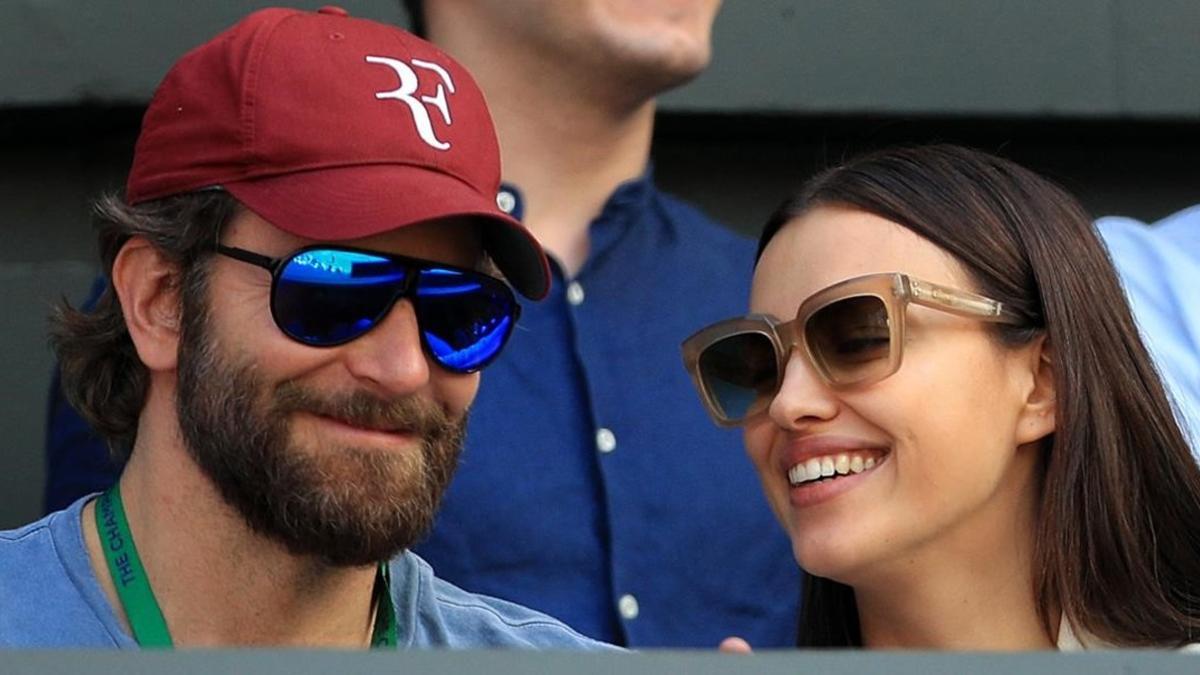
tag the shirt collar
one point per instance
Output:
(625, 207)
(630, 197)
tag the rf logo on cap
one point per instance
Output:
(408, 86)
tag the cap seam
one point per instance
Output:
(248, 175)
(249, 103)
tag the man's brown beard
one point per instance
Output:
(349, 506)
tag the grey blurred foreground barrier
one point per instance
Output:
(266, 662)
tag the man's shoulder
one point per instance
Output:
(444, 615)
(43, 602)
(27, 549)
(1155, 269)
(1183, 229)
(1174, 240)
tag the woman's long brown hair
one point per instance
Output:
(1117, 541)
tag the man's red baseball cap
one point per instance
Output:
(332, 128)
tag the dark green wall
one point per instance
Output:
(1092, 58)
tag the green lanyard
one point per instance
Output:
(133, 588)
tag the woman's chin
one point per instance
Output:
(835, 561)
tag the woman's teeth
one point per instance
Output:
(833, 465)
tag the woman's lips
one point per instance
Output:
(829, 466)
(818, 468)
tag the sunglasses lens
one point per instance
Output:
(740, 374)
(326, 297)
(465, 318)
(851, 339)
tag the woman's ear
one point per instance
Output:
(147, 285)
(1038, 416)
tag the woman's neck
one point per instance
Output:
(954, 609)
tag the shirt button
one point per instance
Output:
(606, 442)
(506, 201)
(628, 606)
(575, 293)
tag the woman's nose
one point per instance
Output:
(803, 397)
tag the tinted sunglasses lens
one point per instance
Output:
(465, 318)
(740, 374)
(851, 339)
(326, 297)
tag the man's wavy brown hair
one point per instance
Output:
(102, 376)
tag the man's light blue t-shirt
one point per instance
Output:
(1159, 265)
(49, 597)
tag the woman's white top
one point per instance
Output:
(1070, 641)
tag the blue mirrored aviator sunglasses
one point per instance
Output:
(324, 296)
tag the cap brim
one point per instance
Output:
(335, 204)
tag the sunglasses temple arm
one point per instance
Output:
(249, 257)
(959, 302)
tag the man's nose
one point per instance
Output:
(803, 397)
(390, 355)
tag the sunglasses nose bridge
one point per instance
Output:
(392, 354)
(788, 337)
(404, 288)
(802, 394)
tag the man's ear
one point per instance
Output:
(1038, 416)
(148, 286)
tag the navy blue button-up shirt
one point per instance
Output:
(593, 486)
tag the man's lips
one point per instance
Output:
(365, 428)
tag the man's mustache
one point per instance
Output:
(408, 414)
